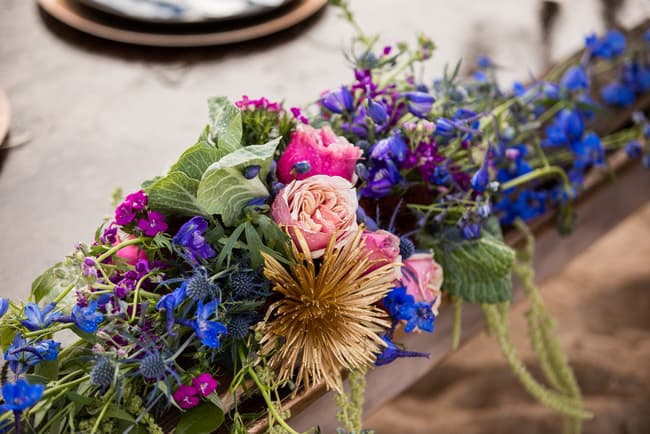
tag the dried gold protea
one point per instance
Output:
(326, 317)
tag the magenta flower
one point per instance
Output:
(138, 200)
(205, 384)
(124, 213)
(186, 397)
(153, 224)
(317, 152)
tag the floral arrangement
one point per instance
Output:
(290, 246)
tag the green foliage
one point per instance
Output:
(203, 419)
(54, 281)
(176, 193)
(225, 124)
(478, 271)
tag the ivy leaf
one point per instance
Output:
(196, 159)
(227, 192)
(478, 271)
(225, 124)
(176, 193)
(203, 419)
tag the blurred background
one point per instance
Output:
(89, 115)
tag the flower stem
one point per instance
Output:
(458, 310)
(538, 173)
(102, 413)
(110, 252)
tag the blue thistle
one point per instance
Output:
(102, 373)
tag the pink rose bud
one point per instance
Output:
(383, 247)
(317, 152)
(318, 207)
(131, 254)
(422, 277)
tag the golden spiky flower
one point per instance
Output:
(326, 321)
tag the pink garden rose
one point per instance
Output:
(422, 278)
(384, 249)
(131, 254)
(318, 206)
(321, 152)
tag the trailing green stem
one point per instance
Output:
(350, 407)
(458, 310)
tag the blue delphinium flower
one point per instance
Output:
(393, 352)
(87, 318)
(20, 396)
(168, 303)
(338, 101)
(191, 237)
(377, 112)
(393, 148)
(208, 331)
(402, 307)
(419, 103)
(484, 62)
(22, 355)
(481, 178)
(575, 78)
(4, 306)
(588, 151)
(37, 319)
(607, 47)
(633, 149)
(617, 94)
(567, 127)
(397, 302)
(445, 127)
(420, 316)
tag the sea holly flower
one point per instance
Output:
(153, 224)
(208, 332)
(4, 306)
(320, 207)
(205, 384)
(392, 352)
(20, 396)
(191, 237)
(186, 397)
(325, 152)
(87, 318)
(338, 101)
(37, 319)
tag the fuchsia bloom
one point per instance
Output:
(245, 103)
(186, 397)
(205, 384)
(138, 200)
(317, 152)
(124, 214)
(153, 224)
(383, 247)
(422, 277)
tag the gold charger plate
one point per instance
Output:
(5, 116)
(102, 25)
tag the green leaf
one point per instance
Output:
(80, 399)
(274, 237)
(227, 192)
(196, 159)
(254, 245)
(7, 335)
(176, 193)
(114, 412)
(204, 419)
(225, 124)
(250, 155)
(226, 251)
(53, 281)
(478, 271)
(48, 369)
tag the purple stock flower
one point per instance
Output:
(205, 383)
(124, 214)
(186, 397)
(153, 224)
(137, 200)
(191, 237)
(109, 235)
